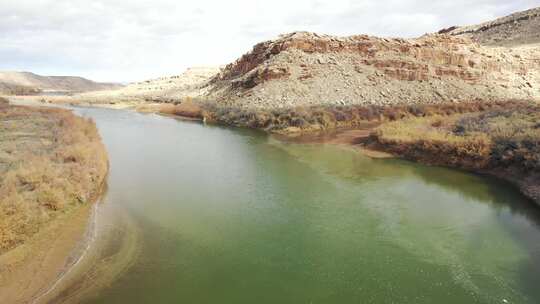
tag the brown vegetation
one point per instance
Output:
(51, 161)
(187, 108)
(307, 119)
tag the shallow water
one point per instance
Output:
(204, 214)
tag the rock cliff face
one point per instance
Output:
(516, 29)
(304, 68)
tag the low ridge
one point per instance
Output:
(163, 89)
(24, 83)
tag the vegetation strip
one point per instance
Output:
(51, 162)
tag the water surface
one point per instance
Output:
(205, 214)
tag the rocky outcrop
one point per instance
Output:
(302, 69)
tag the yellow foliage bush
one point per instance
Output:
(51, 161)
(487, 139)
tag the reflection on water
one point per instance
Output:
(203, 214)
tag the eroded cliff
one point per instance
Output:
(304, 68)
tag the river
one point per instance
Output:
(206, 214)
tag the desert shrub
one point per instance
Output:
(416, 110)
(313, 118)
(61, 165)
(188, 109)
(298, 122)
(514, 133)
(434, 136)
(495, 138)
(167, 109)
(51, 198)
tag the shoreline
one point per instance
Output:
(360, 140)
(44, 258)
(519, 180)
(86, 243)
(71, 234)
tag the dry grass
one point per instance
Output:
(186, 108)
(434, 128)
(515, 136)
(431, 137)
(489, 139)
(51, 161)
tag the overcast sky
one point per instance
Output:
(128, 40)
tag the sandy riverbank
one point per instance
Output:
(29, 270)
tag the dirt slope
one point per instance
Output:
(516, 29)
(13, 82)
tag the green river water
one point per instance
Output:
(206, 214)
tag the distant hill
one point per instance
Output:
(26, 83)
(163, 89)
(515, 29)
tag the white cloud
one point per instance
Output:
(126, 40)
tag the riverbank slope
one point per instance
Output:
(52, 166)
(503, 143)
